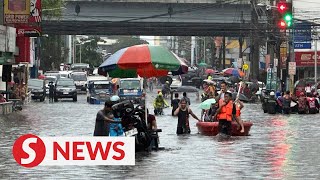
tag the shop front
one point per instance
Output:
(305, 62)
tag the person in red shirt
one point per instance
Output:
(151, 120)
(2, 99)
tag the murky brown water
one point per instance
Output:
(280, 147)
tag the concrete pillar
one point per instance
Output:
(1, 12)
(193, 45)
(69, 46)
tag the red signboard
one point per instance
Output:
(306, 59)
(35, 11)
(28, 31)
(24, 49)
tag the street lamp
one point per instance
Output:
(81, 43)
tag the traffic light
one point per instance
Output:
(285, 14)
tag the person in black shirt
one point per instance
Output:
(103, 120)
(175, 103)
(186, 98)
(51, 91)
(183, 112)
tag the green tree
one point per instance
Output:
(126, 41)
(52, 53)
(52, 50)
(52, 8)
(89, 51)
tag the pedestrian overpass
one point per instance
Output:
(153, 17)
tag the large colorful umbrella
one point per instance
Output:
(143, 60)
(233, 72)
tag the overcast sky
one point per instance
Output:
(306, 9)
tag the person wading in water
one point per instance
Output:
(183, 112)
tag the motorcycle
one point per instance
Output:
(134, 125)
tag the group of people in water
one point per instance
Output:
(287, 103)
(224, 111)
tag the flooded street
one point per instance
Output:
(280, 147)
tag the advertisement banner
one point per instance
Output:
(35, 11)
(16, 11)
(28, 31)
(11, 40)
(306, 59)
(2, 38)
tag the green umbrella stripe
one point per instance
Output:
(161, 58)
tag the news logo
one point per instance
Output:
(30, 151)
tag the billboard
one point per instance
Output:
(11, 39)
(35, 11)
(2, 38)
(16, 11)
(306, 59)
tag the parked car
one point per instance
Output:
(37, 88)
(65, 88)
(49, 79)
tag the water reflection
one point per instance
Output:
(280, 147)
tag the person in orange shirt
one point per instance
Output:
(225, 113)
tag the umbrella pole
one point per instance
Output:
(145, 99)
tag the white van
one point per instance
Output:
(80, 79)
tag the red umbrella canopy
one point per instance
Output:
(210, 71)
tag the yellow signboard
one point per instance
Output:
(16, 11)
(245, 67)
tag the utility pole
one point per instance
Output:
(224, 52)
(254, 45)
(315, 54)
(193, 44)
(271, 37)
(241, 37)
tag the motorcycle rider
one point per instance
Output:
(271, 103)
(286, 103)
(159, 103)
(312, 104)
(302, 103)
(166, 89)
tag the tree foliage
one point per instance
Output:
(52, 53)
(89, 53)
(125, 41)
(52, 8)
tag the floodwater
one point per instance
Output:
(280, 146)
